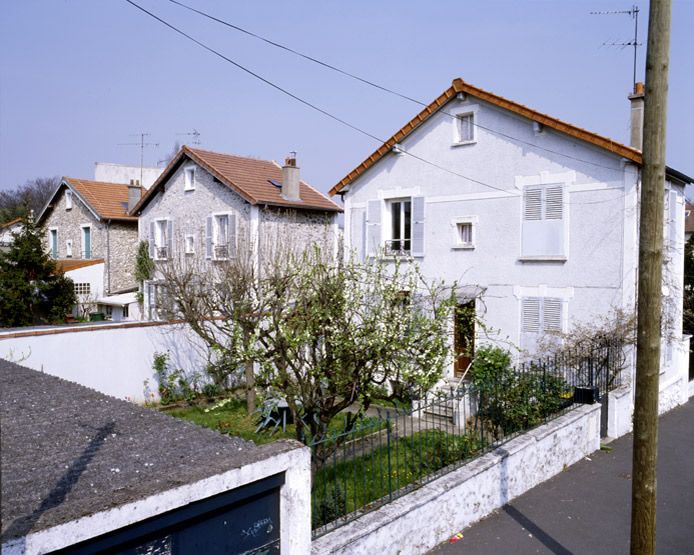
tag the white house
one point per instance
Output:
(206, 206)
(536, 214)
(7, 231)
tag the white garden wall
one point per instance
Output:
(114, 359)
(424, 518)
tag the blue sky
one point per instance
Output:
(78, 77)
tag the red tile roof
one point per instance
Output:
(460, 86)
(249, 177)
(108, 200)
(10, 223)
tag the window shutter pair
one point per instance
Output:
(541, 314)
(372, 229)
(544, 204)
(208, 238)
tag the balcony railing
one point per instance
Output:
(221, 252)
(162, 253)
(397, 247)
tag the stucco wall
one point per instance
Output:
(600, 210)
(120, 173)
(114, 359)
(426, 517)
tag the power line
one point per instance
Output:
(382, 87)
(317, 108)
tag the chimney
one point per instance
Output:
(637, 115)
(290, 178)
(134, 193)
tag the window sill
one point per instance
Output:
(469, 247)
(543, 258)
(464, 143)
(188, 189)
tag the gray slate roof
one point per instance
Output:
(68, 451)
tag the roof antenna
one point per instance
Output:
(634, 13)
(195, 134)
(142, 144)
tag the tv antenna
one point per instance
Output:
(634, 13)
(195, 134)
(142, 144)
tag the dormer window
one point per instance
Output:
(68, 200)
(189, 179)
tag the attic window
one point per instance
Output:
(189, 179)
(275, 183)
(68, 200)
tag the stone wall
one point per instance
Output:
(118, 237)
(296, 229)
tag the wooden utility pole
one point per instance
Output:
(643, 493)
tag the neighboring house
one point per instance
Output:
(83, 472)
(122, 173)
(538, 215)
(6, 233)
(207, 206)
(87, 219)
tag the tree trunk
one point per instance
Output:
(250, 387)
(643, 500)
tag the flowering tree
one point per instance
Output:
(327, 335)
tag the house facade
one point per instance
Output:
(535, 219)
(7, 232)
(87, 220)
(207, 206)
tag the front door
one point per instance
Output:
(464, 336)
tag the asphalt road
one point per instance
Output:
(587, 508)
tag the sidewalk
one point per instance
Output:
(587, 508)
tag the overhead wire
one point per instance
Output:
(319, 109)
(378, 86)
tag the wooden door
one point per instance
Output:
(464, 336)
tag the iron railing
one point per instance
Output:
(364, 468)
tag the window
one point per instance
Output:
(465, 127)
(189, 179)
(161, 239)
(221, 236)
(189, 245)
(126, 312)
(400, 240)
(53, 242)
(541, 315)
(68, 200)
(543, 223)
(465, 232)
(68, 248)
(86, 241)
(82, 288)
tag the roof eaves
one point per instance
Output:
(158, 182)
(66, 181)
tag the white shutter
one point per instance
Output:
(530, 315)
(417, 226)
(363, 236)
(208, 238)
(231, 235)
(373, 228)
(169, 239)
(554, 203)
(532, 204)
(552, 317)
(151, 239)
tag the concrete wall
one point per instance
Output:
(114, 359)
(121, 173)
(295, 506)
(426, 517)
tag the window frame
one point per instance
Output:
(458, 244)
(68, 248)
(186, 238)
(545, 219)
(68, 199)
(83, 235)
(161, 240)
(216, 217)
(189, 178)
(460, 115)
(53, 242)
(404, 239)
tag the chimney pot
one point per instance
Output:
(637, 100)
(134, 194)
(290, 178)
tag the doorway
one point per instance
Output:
(464, 336)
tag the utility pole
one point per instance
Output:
(643, 492)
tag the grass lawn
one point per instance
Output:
(232, 419)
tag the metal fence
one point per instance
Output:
(401, 449)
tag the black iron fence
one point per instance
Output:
(362, 469)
